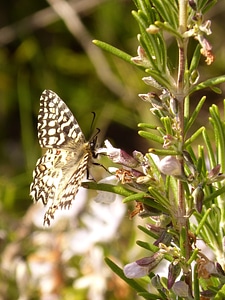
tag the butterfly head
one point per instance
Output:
(93, 144)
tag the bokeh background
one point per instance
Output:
(46, 47)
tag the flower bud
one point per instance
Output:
(194, 77)
(153, 98)
(170, 165)
(215, 175)
(152, 29)
(152, 82)
(219, 269)
(164, 238)
(168, 140)
(141, 59)
(198, 196)
(214, 172)
(174, 105)
(192, 4)
(173, 273)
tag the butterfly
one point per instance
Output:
(59, 172)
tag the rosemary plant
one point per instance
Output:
(177, 187)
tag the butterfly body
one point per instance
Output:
(59, 172)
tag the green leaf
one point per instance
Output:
(136, 197)
(148, 200)
(163, 152)
(148, 246)
(147, 125)
(151, 136)
(117, 189)
(149, 43)
(166, 26)
(162, 78)
(167, 122)
(196, 283)
(219, 129)
(215, 194)
(115, 51)
(147, 10)
(195, 59)
(207, 5)
(168, 10)
(149, 296)
(193, 137)
(209, 148)
(221, 294)
(208, 83)
(158, 196)
(148, 232)
(194, 114)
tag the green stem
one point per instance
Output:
(183, 222)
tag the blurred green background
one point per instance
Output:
(38, 51)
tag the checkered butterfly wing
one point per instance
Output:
(59, 172)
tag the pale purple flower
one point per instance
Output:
(117, 155)
(170, 165)
(143, 266)
(181, 289)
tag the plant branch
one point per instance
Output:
(74, 24)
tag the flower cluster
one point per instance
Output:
(198, 29)
(147, 174)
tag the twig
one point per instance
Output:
(41, 19)
(79, 31)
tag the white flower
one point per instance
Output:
(104, 196)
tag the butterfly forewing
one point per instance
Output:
(56, 124)
(58, 173)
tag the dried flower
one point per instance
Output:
(169, 140)
(215, 175)
(197, 31)
(152, 82)
(141, 59)
(206, 268)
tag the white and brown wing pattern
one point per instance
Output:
(59, 172)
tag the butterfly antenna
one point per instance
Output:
(93, 119)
